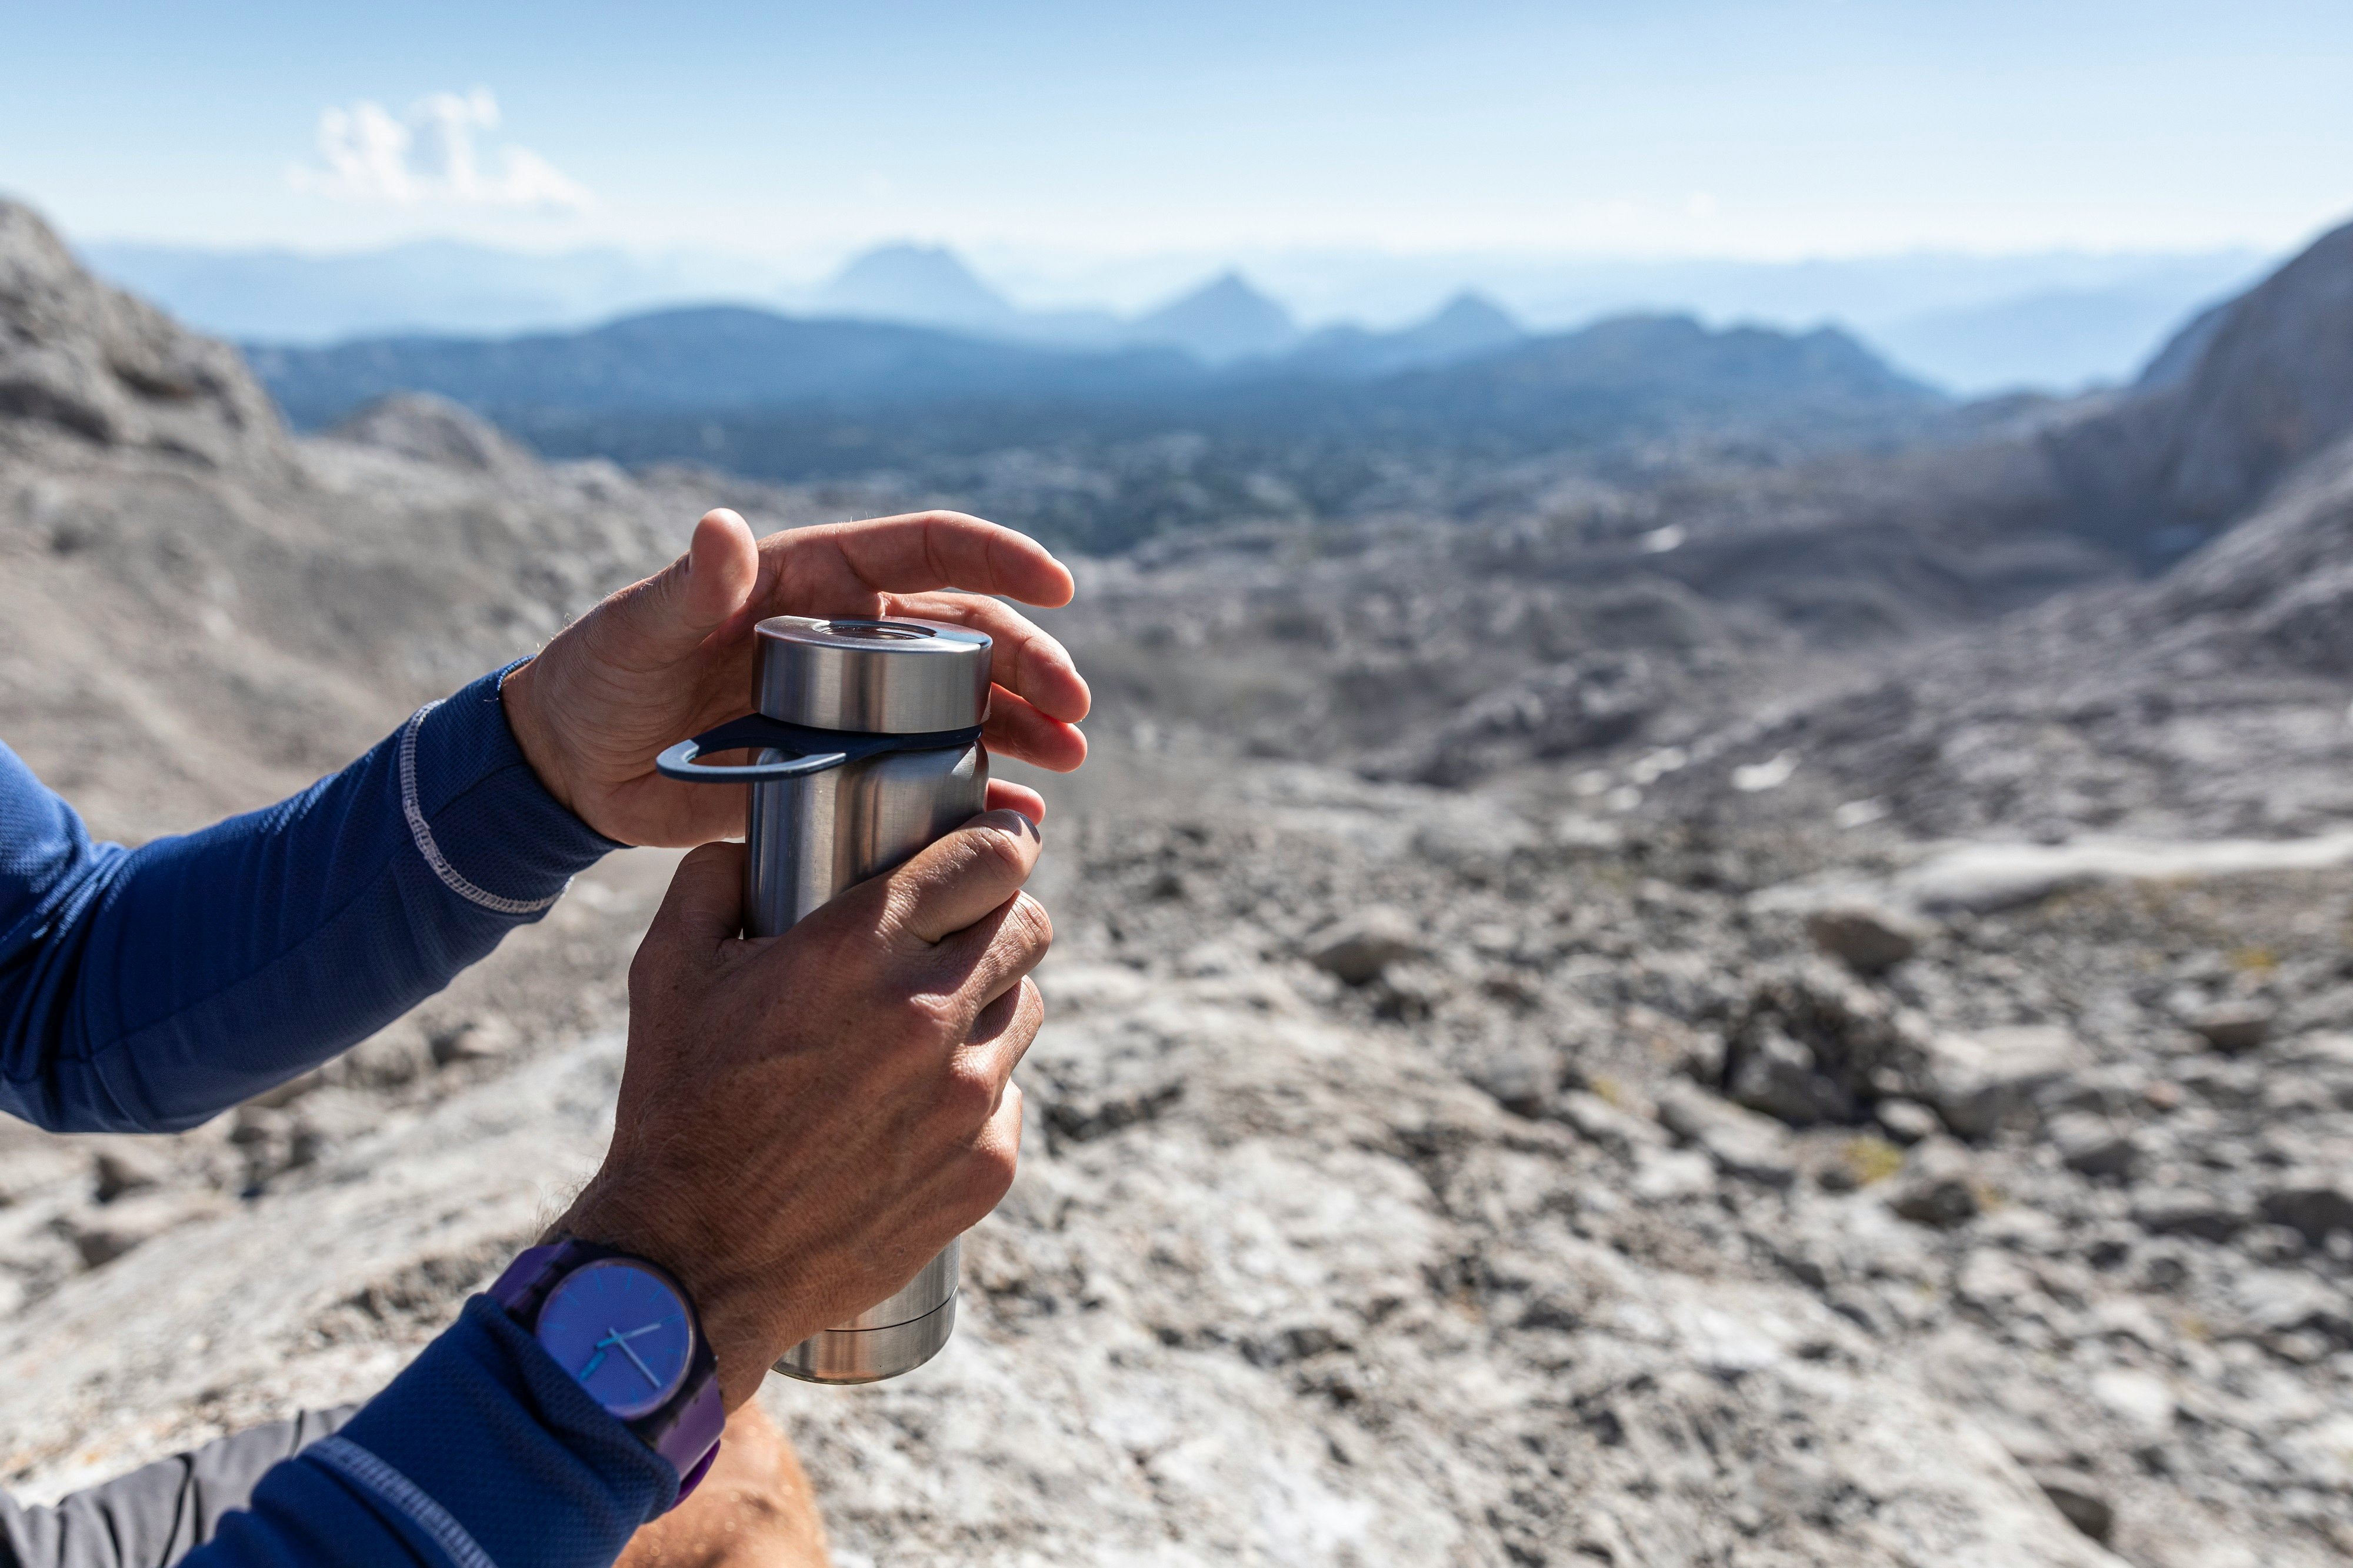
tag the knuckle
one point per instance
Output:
(1028, 925)
(986, 1177)
(968, 1092)
(929, 1018)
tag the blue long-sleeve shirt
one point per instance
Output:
(149, 989)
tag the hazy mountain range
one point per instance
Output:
(795, 397)
(1969, 324)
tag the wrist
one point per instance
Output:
(727, 1304)
(519, 696)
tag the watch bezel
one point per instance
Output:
(662, 1397)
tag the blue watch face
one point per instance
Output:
(622, 1331)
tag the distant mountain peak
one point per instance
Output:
(1472, 309)
(910, 282)
(1223, 320)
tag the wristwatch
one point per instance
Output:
(629, 1333)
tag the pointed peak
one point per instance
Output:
(909, 281)
(1224, 319)
(1471, 307)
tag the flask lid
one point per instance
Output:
(882, 677)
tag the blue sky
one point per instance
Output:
(1808, 128)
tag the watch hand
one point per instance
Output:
(649, 1327)
(598, 1359)
(622, 1345)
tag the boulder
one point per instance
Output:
(102, 1237)
(1868, 938)
(1359, 947)
(1906, 1120)
(2186, 1211)
(2311, 1206)
(1981, 1082)
(2093, 1145)
(127, 1168)
(2233, 1027)
(2082, 1498)
(476, 1039)
(1599, 1121)
(437, 431)
(1936, 1186)
(1740, 1143)
(1775, 1075)
(1813, 1044)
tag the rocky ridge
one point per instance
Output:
(1569, 1143)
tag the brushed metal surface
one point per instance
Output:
(899, 677)
(870, 1355)
(810, 838)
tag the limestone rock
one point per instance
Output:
(2188, 1211)
(482, 1038)
(128, 1167)
(1980, 1082)
(1739, 1142)
(1936, 1187)
(106, 1234)
(2314, 1207)
(435, 430)
(1359, 947)
(1867, 938)
(2093, 1145)
(2233, 1027)
(2080, 1497)
(1906, 1120)
(1812, 1044)
(82, 358)
(1620, 1132)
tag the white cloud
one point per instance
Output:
(429, 154)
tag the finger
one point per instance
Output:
(987, 960)
(1002, 1035)
(1022, 658)
(960, 879)
(666, 616)
(927, 550)
(1003, 794)
(1014, 729)
(998, 1149)
(704, 904)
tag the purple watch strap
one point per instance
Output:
(686, 1430)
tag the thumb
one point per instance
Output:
(704, 905)
(669, 613)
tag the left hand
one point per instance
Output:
(672, 656)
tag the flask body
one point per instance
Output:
(809, 837)
(812, 837)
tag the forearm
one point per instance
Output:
(482, 1452)
(160, 986)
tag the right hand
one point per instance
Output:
(805, 1120)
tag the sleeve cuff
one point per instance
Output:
(489, 1452)
(477, 813)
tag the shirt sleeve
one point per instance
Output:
(149, 989)
(482, 1454)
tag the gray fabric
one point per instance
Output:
(159, 1513)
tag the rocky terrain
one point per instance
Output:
(1654, 1017)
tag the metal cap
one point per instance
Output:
(882, 676)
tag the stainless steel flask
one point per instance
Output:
(866, 744)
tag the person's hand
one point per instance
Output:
(805, 1120)
(672, 656)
